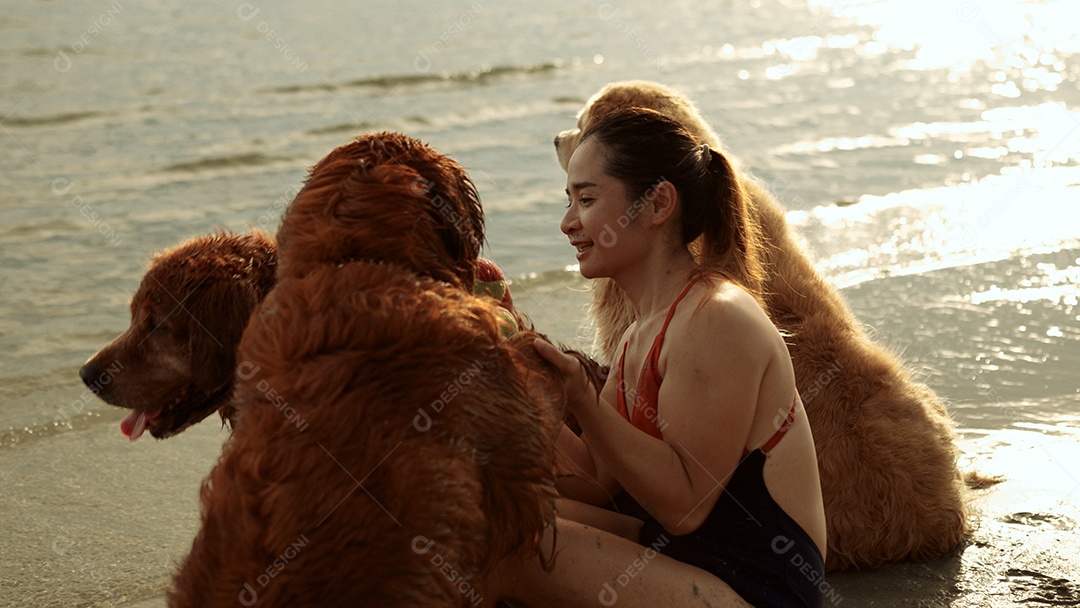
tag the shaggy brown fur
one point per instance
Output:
(392, 444)
(387, 430)
(885, 443)
(174, 364)
(431, 222)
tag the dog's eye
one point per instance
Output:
(157, 326)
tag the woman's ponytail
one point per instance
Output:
(730, 238)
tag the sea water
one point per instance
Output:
(927, 153)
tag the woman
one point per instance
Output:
(699, 431)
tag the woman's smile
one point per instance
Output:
(582, 246)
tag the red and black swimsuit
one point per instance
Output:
(747, 541)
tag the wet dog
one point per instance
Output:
(174, 365)
(392, 443)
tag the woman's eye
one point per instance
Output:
(584, 201)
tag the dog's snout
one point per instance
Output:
(90, 373)
(558, 138)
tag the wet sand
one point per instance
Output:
(114, 540)
(1023, 550)
(94, 520)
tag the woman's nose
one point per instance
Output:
(569, 221)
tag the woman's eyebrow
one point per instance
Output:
(580, 185)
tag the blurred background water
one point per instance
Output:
(928, 153)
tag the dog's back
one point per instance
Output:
(389, 436)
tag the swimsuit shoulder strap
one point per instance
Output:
(654, 353)
(779, 434)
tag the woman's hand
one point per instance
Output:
(581, 392)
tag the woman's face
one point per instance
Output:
(600, 219)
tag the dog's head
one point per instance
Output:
(174, 365)
(386, 198)
(635, 94)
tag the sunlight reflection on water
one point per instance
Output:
(956, 35)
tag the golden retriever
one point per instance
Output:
(391, 442)
(174, 365)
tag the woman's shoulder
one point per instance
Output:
(723, 316)
(725, 302)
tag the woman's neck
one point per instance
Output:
(652, 285)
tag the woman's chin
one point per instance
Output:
(585, 264)
(590, 272)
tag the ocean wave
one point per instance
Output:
(479, 115)
(14, 436)
(546, 280)
(46, 403)
(344, 127)
(50, 120)
(388, 82)
(39, 229)
(250, 159)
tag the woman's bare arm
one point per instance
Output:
(706, 404)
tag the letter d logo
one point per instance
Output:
(247, 11)
(608, 238)
(608, 596)
(246, 370)
(62, 63)
(782, 544)
(422, 544)
(422, 422)
(247, 596)
(422, 63)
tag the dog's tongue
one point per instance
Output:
(134, 424)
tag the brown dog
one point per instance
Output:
(392, 443)
(159, 366)
(885, 443)
(174, 364)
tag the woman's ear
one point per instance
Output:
(660, 203)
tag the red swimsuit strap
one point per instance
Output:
(654, 353)
(649, 380)
(784, 426)
(648, 388)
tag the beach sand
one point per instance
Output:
(95, 520)
(1022, 551)
(115, 540)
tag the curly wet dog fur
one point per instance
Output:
(174, 365)
(391, 444)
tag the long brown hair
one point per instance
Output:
(644, 148)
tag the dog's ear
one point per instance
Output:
(220, 311)
(457, 212)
